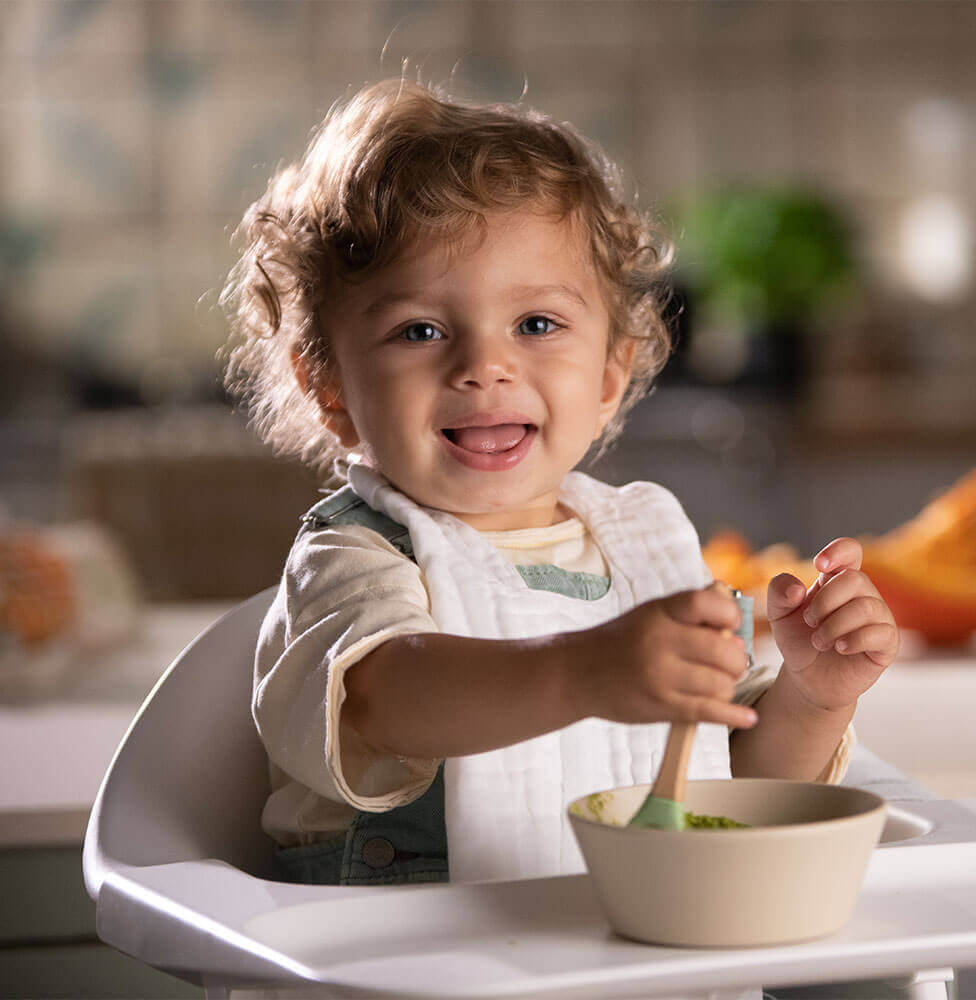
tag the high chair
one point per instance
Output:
(182, 877)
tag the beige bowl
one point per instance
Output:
(794, 875)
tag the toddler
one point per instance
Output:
(448, 304)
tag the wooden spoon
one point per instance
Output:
(664, 806)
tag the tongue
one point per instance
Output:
(485, 439)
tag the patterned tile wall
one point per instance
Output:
(133, 134)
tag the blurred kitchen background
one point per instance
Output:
(814, 161)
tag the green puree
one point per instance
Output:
(596, 805)
(697, 822)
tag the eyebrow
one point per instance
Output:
(565, 291)
(393, 298)
(387, 300)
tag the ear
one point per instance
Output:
(616, 378)
(328, 395)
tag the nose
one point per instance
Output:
(480, 362)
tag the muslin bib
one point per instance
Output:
(506, 809)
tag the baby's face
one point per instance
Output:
(476, 381)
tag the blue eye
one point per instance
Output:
(420, 333)
(536, 325)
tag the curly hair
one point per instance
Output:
(397, 162)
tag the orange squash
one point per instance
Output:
(939, 601)
(943, 532)
(925, 569)
(37, 596)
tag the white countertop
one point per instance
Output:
(57, 748)
(917, 718)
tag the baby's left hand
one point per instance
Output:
(838, 637)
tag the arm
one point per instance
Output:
(344, 591)
(793, 738)
(837, 638)
(435, 695)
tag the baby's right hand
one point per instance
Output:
(673, 659)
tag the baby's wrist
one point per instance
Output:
(575, 669)
(802, 706)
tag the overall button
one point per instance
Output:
(378, 852)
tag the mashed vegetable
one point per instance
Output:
(596, 808)
(698, 822)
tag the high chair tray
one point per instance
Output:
(205, 920)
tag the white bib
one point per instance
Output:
(506, 808)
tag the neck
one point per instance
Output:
(513, 520)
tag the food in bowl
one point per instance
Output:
(593, 807)
(695, 821)
(793, 875)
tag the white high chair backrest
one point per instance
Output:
(190, 778)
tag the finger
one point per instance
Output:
(700, 680)
(692, 708)
(855, 614)
(848, 585)
(713, 606)
(841, 553)
(714, 649)
(879, 641)
(784, 595)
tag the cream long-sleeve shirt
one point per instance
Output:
(344, 591)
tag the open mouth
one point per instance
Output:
(492, 440)
(489, 447)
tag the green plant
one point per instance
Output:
(764, 256)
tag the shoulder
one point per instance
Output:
(642, 498)
(332, 547)
(649, 521)
(651, 495)
(344, 507)
(662, 516)
(661, 508)
(333, 564)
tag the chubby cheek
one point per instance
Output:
(398, 419)
(575, 403)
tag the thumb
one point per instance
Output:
(784, 595)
